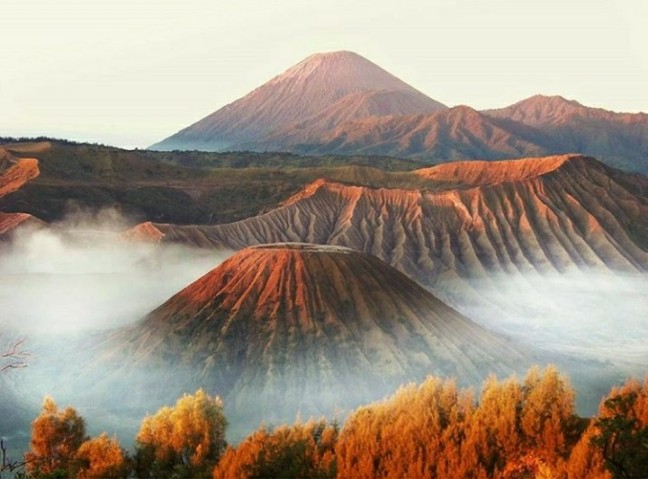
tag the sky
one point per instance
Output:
(132, 72)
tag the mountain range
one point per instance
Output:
(452, 224)
(324, 89)
(342, 103)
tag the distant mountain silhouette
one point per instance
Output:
(342, 103)
(323, 89)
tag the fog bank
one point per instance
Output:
(81, 275)
(589, 314)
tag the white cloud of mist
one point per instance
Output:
(81, 275)
(589, 314)
(61, 285)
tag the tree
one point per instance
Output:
(586, 460)
(297, 451)
(100, 458)
(182, 441)
(56, 437)
(495, 429)
(622, 431)
(419, 432)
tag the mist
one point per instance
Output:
(65, 287)
(80, 275)
(589, 314)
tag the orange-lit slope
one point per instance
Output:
(13, 174)
(469, 220)
(287, 327)
(16, 174)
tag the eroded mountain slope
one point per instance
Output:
(463, 220)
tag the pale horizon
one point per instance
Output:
(129, 74)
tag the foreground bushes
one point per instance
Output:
(515, 430)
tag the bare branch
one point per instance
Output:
(7, 464)
(14, 356)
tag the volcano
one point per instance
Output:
(282, 328)
(341, 103)
(323, 89)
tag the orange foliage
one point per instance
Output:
(419, 432)
(300, 450)
(517, 430)
(56, 436)
(435, 430)
(188, 437)
(99, 458)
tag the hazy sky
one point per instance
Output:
(131, 72)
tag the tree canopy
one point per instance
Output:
(182, 441)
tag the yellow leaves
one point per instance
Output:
(436, 430)
(586, 460)
(413, 434)
(190, 435)
(100, 458)
(49, 406)
(300, 450)
(56, 436)
(517, 430)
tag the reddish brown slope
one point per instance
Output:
(287, 327)
(354, 106)
(10, 221)
(456, 134)
(469, 220)
(14, 173)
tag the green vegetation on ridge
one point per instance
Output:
(176, 187)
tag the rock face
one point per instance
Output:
(463, 221)
(15, 172)
(290, 327)
(322, 90)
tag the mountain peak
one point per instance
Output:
(340, 71)
(549, 99)
(335, 56)
(300, 93)
(540, 110)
